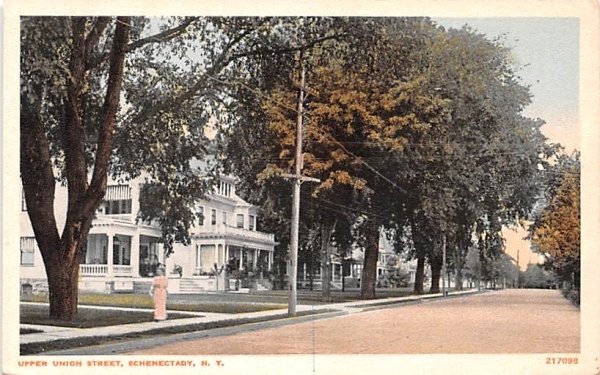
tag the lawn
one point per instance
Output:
(89, 317)
(227, 303)
(176, 303)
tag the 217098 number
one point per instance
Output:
(561, 360)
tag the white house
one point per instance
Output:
(350, 269)
(122, 254)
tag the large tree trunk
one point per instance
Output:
(61, 254)
(436, 271)
(369, 272)
(420, 274)
(421, 251)
(63, 287)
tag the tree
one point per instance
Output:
(339, 120)
(556, 232)
(535, 277)
(477, 171)
(64, 84)
(424, 126)
(75, 123)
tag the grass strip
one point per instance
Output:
(90, 317)
(144, 301)
(63, 344)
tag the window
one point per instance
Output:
(27, 250)
(200, 215)
(121, 250)
(251, 222)
(213, 216)
(118, 207)
(224, 188)
(224, 217)
(118, 200)
(240, 221)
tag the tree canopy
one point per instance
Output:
(406, 123)
(556, 232)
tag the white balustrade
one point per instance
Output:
(93, 269)
(102, 270)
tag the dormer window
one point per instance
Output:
(224, 189)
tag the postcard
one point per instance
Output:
(311, 187)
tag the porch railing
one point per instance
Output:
(93, 269)
(102, 270)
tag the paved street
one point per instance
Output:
(509, 321)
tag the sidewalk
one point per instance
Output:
(52, 333)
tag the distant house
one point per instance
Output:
(348, 270)
(122, 254)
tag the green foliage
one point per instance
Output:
(535, 277)
(556, 232)
(406, 123)
(573, 295)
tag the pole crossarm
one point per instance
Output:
(300, 178)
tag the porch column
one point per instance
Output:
(304, 271)
(226, 260)
(270, 260)
(109, 255)
(216, 255)
(255, 259)
(241, 258)
(134, 258)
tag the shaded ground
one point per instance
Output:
(217, 303)
(88, 318)
(509, 321)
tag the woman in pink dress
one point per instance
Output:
(158, 290)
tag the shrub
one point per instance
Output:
(572, 295)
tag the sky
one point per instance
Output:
(547, 52)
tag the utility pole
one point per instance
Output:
(518, 270)
(297, 179)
